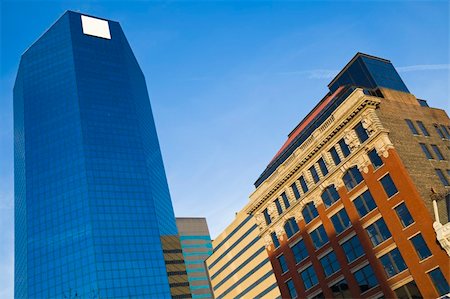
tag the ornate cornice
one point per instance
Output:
(356, 102)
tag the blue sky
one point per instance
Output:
(229, 80)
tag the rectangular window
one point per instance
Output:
(283, 264)
(335, 156)
(285, 200)
(323, 167)
(291, 289)
(388, 185)
(393, 262)
(365, 277)
(330, 264)
(411, 127)
(314, 174)
(303, 184)
(278, 205)
(408, 291)
(378, 232)
(364, 203)
(340, 221)
(375, 159)
(319, 237)
(344, 147)
(420, 246)
(446, 132)
(439, 131)
(267, 216)
(404, 215)
(426, 151)
(442, 177)
(309, 277)
(275, 240)
(299, 250)
(361, 133)
(422, 128)
(352, 248)
(295, 190)
(439, 281)
(437, 152)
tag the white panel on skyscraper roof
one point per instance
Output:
(95, 27)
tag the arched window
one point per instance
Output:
(309, 212)
(352, 178)
(330, 196)
(291, 227)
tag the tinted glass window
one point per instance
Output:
(335, 156)
(285, 200)
(411, 127)
(437, 152)
(361, 133)
(278, 205)
(439, 131)
(319, 237)
(352, 249)
(378, 232)
(439, 281)
(344, 147)
(420, 246)
(291, 288)
(375, 159)
(446, 131)
(309, 212)
(442, 177)
(309, 277)
(364, 203)
(283, 264)
(303, 184)
(352, 178)
(330, 196)
(299, 250)
(404, 215)
(422, 128)
(393, 262)
(426, 151)
(295, 190)
(267, 216)
(291, 227)
(275, 241)
(314, 174)
(323, 167)
(340, 221)
(388, 185)
(330, 264)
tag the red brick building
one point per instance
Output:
(348, 206)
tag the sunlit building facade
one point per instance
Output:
(239, 266)
(355, 204)
(92, 206)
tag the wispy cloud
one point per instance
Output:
(313, 74)
(329, 74)
(423, 67)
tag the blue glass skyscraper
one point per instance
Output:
(92, 204)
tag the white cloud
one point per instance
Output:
(423, 67)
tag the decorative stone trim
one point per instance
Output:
(351, 139)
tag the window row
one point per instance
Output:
(437, 153)
(442, 131)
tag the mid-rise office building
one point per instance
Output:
(356, 203)
(93, 212)
(239, 266)
(197, 247)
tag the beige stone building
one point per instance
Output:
(239, 266)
